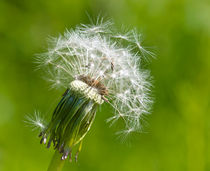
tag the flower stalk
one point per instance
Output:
(56, 163)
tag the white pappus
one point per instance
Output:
(96, 53)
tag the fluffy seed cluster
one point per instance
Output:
(97, 54)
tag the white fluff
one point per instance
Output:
(114, 59)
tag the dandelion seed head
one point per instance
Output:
(95, 52)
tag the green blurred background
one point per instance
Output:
(178, 134)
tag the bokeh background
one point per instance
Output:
(178, 134)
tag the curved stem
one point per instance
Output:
(56, 163)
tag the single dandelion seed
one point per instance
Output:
(35, 121)
(95, 67)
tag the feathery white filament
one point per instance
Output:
(95, 51)
(35, 121)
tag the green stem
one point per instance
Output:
(56, 163)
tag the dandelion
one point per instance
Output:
(95, 66)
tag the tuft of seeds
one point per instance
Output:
(95, 65)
